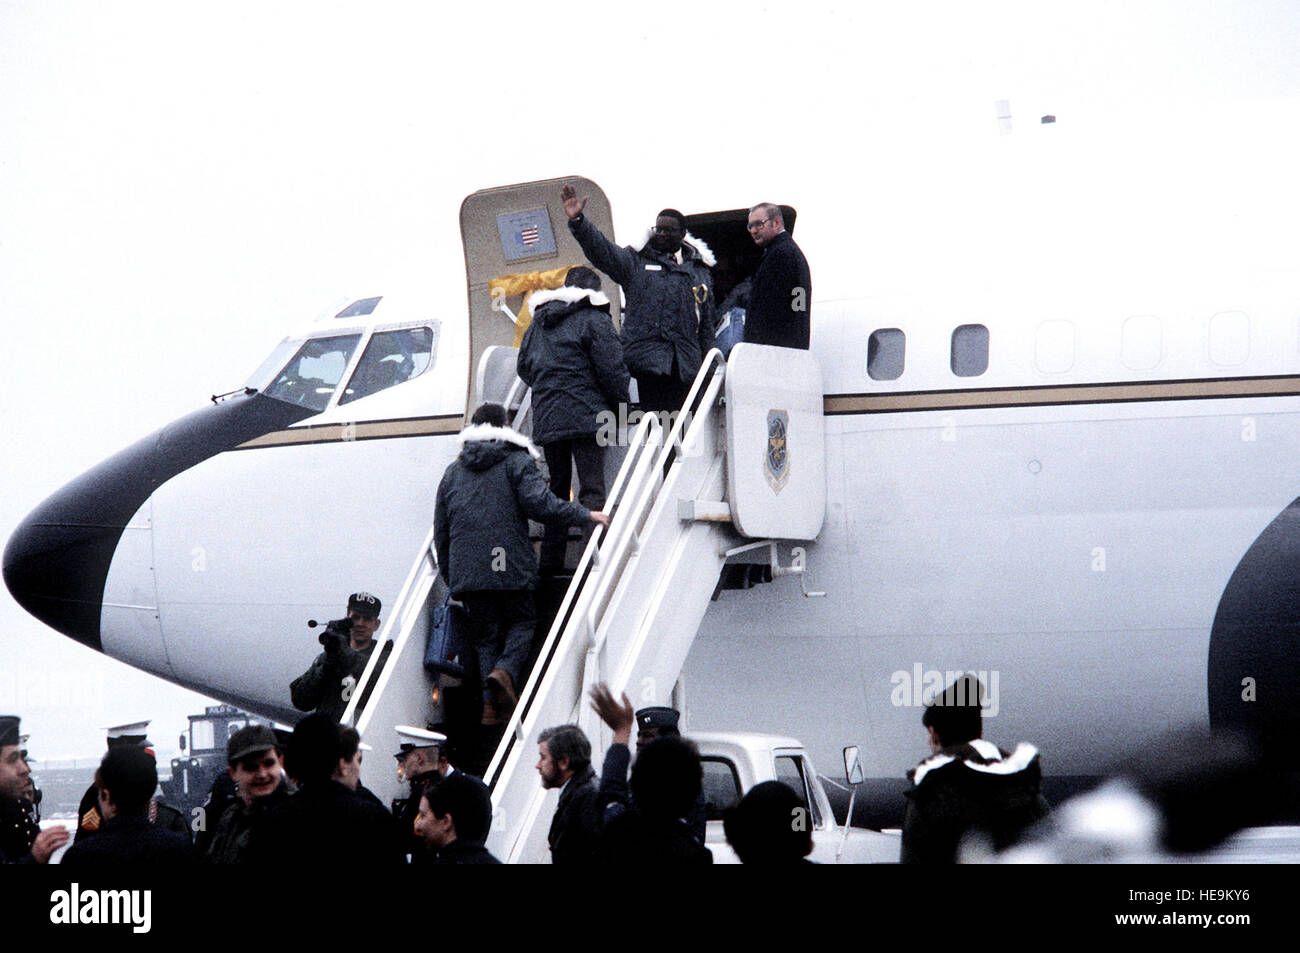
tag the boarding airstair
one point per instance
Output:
(692, 491)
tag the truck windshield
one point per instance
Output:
(721, 786)
(791, 771)
(312, 374)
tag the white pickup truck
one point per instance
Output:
(735, 762)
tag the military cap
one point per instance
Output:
(8, 730)
(657, 717)
(364, 603)
(250, 740)
(409, 738)
(132, 734)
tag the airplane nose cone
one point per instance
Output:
(58, 558)
(57, 561)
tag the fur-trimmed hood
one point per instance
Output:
(482, 445)
(695, 246)
(979, 755)
(565, 301)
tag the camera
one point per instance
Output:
(336, 635)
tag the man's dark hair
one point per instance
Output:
(568, 741)
(673, 213)
(314, 749)
(494, 415)
(580, 276)
(955, 715)
(467, 803)
(131, 776)
(765, 828)
(666, 778)
(349, 742)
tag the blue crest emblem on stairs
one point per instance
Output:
(778, 453)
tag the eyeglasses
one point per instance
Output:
(755, 226)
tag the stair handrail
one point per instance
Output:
(637, 464)
(578, 634)
(711, 373)
(709, 380)
(401, 620)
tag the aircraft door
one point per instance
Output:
(517, 240)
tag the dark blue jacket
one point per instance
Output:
(780, 297)
(128, 840)
(576, 825)
(17, 831)
(325, 826)
(635, 842)
(572, 359)
(970, 787)
(485, 500)
(462, 852)
(669, 305)
(615, 796)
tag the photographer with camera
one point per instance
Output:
(327, 686)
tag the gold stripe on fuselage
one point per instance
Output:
(1057, 394)
(351, 432)
(840, 404)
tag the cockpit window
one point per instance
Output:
(265, 372)
(391, 358)
(310, 377)
(359, 309)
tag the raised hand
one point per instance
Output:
(573, 205)
(618, 716)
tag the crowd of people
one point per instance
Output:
(295, 801)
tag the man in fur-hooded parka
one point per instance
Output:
(485, 499)
(968, 786)
(571, 358)
(668, 323)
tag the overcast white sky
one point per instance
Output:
(181, 182)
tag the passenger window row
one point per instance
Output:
(968, 356)
(1142, 346)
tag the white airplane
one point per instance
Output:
(1065, 460)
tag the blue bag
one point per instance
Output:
(442, 653)
(731, 330)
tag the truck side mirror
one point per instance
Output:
(852, 765)
(182, 743)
